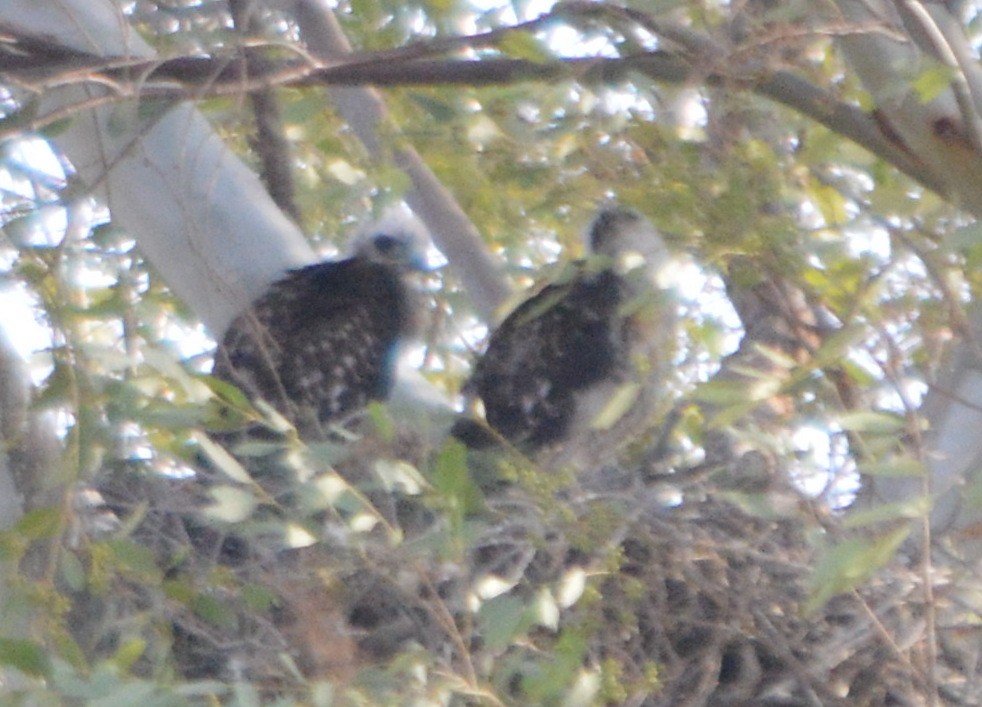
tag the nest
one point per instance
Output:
(690, 602)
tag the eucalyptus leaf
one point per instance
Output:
(222, 460)
(844, 566)
(230, 504)
(27, 656)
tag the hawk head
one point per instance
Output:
(398, 239)
(627, 238)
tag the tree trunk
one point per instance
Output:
(944, 135)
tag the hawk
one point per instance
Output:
(322, 342)
(573, 356)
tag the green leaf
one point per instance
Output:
(757, 505)
(320, 455)
(337, 493)
(72, 571)
(273, 418)
(22, 229)
(909, 509)
(57, 127)
(895, 467)
(67, 649)
(965, 238)
(501, 620)
(545, 609)
(128, 653)
(228, 393)
(127, 694)
(400, 476)
(382, 421)
(571, 586)
(303, 108)
(180, 590)
(296, 536)
(439, 110)
(522, 45)
(721, 392)
(215, 611)
(55, 388)
(255, 449)
(230, 504)
(134, 558)
(21, 120)
(776, 356)
(81, 685)
(557, 675)
(259, 598)
(40, 524)
(160, 413)
(845, 566)
(616, 406)
(345, 172)
(27, 656)
(222, 460)
(831, 203)
(205, 690)
(861, 376)
(837, 346)
(869, 421)
(452, 480)
(932, 82)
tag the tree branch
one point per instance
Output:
(938, 43)
(331, 62)
(268, 141)
(184, 78)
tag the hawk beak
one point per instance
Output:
(422, 264)
(428, 261)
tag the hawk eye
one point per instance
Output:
(386, 244)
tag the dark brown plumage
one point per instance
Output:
(557, 359)
(322, 342)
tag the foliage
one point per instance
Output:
(388, 570)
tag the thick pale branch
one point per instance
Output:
(365, 111)
(935, 130)
(943, 133)
(168, 179)
(942, 47)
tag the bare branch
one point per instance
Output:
(268, 141)
(195, 77)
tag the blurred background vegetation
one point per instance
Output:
(731, 560)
